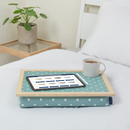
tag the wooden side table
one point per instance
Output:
(20, 50)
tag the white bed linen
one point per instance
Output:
(111, 33)
(12, 117)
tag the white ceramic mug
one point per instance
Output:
(91, 67)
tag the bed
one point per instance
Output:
(113, 117)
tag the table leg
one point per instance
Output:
(28, 48)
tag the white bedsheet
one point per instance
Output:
(12, 117)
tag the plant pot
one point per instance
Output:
(27, 37)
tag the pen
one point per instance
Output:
(82, 79)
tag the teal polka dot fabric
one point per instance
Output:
(96, 84)
(64, 101)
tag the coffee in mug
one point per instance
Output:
(91, 67)
(91, 61)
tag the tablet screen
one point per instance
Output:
(54, 81)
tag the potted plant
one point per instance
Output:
(27, 29)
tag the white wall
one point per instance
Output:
(62, 23)
(8, 32)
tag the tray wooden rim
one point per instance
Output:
(19, 92)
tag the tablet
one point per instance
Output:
(57, 81)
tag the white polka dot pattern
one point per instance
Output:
(77, 99)
(89, 99)
(53, 99)
(28, 99)
(61, 101)
(101, 99)
(96, 84)
(93, 82)
(65, 99)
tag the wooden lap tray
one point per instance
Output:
(98, 89)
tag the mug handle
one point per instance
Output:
(104, 68)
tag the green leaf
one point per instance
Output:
(18, 11)
(16, 16)
(27, 8)
(13, 4)
(43, 15)
(5, 20)
(15, 20)
(37, 7)
(27, 27)
(30, 12)
(36, 16)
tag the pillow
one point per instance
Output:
(111, 37)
